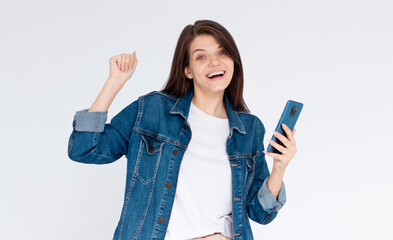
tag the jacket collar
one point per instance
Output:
(182, 107)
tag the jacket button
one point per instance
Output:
(185, 126)
(151, 149)
(175, 152)
(161, 219)
(168, 185)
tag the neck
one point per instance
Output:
(211, 104)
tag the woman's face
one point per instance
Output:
(208, 58)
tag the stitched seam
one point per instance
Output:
(157, 164)
(71, 142)
(150, 195)
(245, 112)
(240, 123)
(161, 93)
(138, 161)
(240, 155)
(267, 218)
(140, 109)
(161, 138)
(96, 122)
(128, 194)
(166, 95)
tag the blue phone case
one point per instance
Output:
(289, 117)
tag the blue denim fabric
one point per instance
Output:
(153, 133)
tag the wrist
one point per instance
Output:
(114, 84)
(114, 81)
(278, 170)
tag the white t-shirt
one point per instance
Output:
(203, 198)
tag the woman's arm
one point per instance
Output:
(262, 205)
(105, 98)
(282, 160)
(121, 69)
(274, 182)
(94, 141)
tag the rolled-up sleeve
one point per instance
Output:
(268, 201)
(92, 140)
(90, 121)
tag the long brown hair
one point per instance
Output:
(177, 83)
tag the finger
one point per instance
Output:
(294, 130)
(128, 62)
(133, 58)
(122, 60)
(124, 57)
(282, 138)
(289, 134)
(134, 62)
(277, 146)
(118, 61)
(273, 155)
(294, 141)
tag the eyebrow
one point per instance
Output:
(203, 49)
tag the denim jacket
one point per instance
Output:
(153, 133)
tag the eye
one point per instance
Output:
(199, 57)
(221, 53)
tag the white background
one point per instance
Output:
(334, 56)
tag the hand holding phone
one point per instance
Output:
(289, 117)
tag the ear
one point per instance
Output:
(187, 72)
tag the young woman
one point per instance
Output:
(196, 165)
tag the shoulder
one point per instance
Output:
(156, 102)
(158, 96)
(251, 121)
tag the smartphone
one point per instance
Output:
(289, 117)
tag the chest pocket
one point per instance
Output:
(149, 156)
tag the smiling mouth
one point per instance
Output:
(217, 77)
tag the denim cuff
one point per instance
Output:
(268, 200)
(90, 121)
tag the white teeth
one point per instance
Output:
(216, 73)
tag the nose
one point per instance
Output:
(214, 61)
